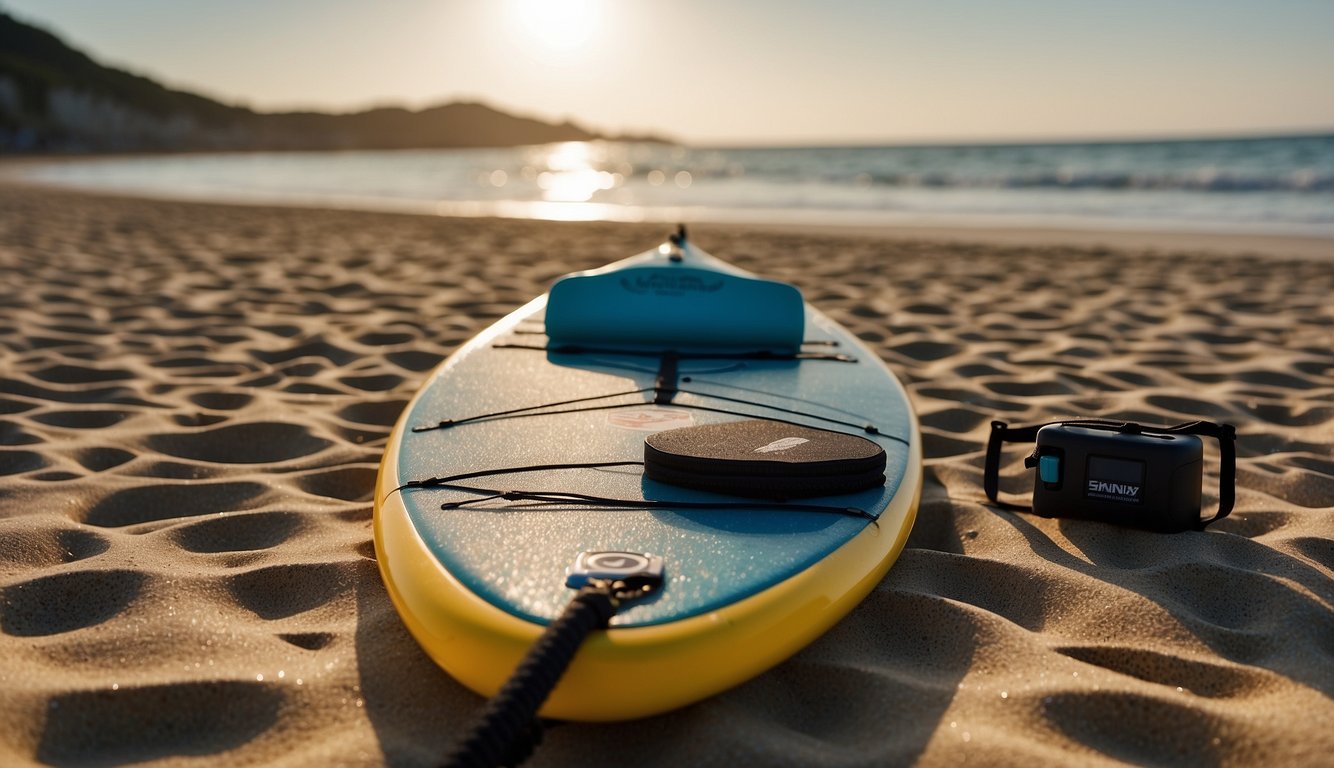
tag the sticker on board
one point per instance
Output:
(652, 419)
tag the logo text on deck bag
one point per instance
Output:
(782, 444)
(670, 285)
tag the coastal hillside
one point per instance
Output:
(54, 98)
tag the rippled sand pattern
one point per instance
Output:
(193, 401)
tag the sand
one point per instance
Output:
(194, 398)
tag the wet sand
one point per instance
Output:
(194, 398)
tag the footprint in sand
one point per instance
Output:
(344, 483)
(239, 532)
(64, 602)
(286, 589)
(222, 401)
(136, 723)
(251, 443)
(77, 374)
(18, 462)
(91, 419)
(380, 414)
(166, 501)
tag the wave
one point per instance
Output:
(1198, 182)
(1304, 181)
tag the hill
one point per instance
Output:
(55, 98)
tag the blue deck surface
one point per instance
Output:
(514, 554)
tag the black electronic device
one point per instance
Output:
(1119, 472)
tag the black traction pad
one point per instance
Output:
(764, 459)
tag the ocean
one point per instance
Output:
(1277, 185)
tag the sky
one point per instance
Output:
(771, 72)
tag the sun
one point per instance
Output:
(559, 25)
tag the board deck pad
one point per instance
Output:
(764, 459)
(512, 399)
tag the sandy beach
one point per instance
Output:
(194, 399)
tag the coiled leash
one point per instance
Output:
(508, 730)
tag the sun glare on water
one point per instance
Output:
(572, 177)
(559, 25)
(565, 179)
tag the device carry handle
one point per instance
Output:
(1225, 434)
(1001, 433)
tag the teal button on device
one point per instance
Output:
(1049, 469)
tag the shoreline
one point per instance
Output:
(1269, 246)
(965, 231)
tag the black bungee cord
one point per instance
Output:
(558, 497)
(508, 730)
(540, 410)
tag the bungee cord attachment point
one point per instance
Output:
(508, 729)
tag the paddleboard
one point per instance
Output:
(669, 339)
